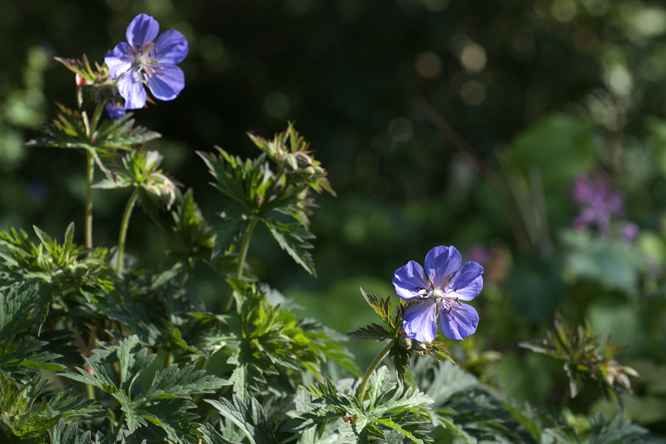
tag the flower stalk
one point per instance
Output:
(364, 383)
(245, 246)
(124, 224)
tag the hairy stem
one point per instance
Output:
(90, 173)
(123, 229)
(382, 354)
(245, 246)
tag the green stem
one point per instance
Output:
(245, 246)
(382, 354)
(90, 392)
(119, 426)
(123, 229)
(90, 173)
(564, 401)
(202, 364)
(168, 362)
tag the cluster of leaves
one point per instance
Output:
(272, 346)
(258, 193)
(163, 408)
(67, 267)
(471, 412)
(139, 169)
(99, 137)
(403, 348)
(580, 349)
(66, 308)
(389, 407)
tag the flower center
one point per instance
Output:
(437, 293)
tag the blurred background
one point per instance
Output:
(530, 134)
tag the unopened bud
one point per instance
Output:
(405, 342)
(302, 159)
(291, 163)
(80, 81)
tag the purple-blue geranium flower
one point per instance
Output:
(148, 60)
(115, 110)
(441, 287)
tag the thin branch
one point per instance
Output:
(482, 167)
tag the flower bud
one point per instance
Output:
(405, 342)
(80, 81)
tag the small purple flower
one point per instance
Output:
(115, 110)
(442, 285)
(149, 60)
(598, 202)
(629, 232)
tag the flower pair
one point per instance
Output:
(440, 287)
(145, 59)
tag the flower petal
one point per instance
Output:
(142, 31)
(131, 89)
(115, 111)
(165, 81)
(440, 264)
(409, 279)
(458, 322)
(420, 321)
(170, 48)
(467, 282)
(119, 60)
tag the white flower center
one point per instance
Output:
(437, 293)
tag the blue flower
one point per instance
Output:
(441, 287)
(149, 60)
(114, 110)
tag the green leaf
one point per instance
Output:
(212, 436)
(250, 418)
(383, 308)
(171, 415)
(173, 382)
(63, 433)
(97, 377)
(83, 68)
(166, 405)
(22, 417)
(229, 231)
(615, 431)
(447, 380)
(388, 407)
(19, 308)
(560, 146)
(67, 267)
(372, 331)
(244, 182)
(192, 229)
(68, 130)
(23, 308)
(293, 238)
(133, 359)
(579, 347)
